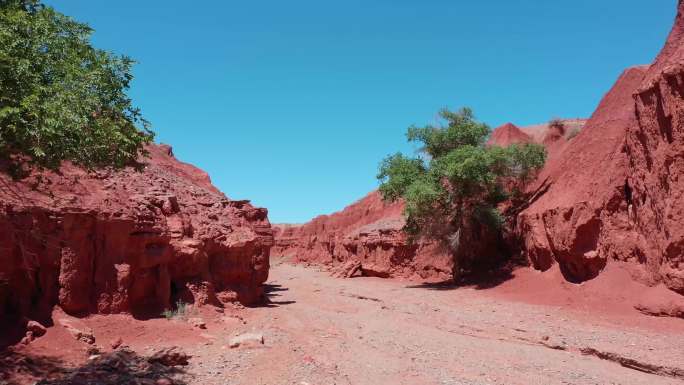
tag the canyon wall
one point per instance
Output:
(127, 241)
(368, 231)
(614, 192)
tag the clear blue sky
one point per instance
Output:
(292, 104)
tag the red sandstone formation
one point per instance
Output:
(127, 241)
(614, 192)
(368, 231)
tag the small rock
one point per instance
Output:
(247, 339)
(83, 335)
(88, 338)
(92, 351)
(170, 357)
(662, 308)
(198, 323)
(163, 381)
(346, 270)
(28, 338)
(36, 328)
(116, 343)
(553, 343)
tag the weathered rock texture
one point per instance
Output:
(614, 193)
(127, 241)
(368, 231)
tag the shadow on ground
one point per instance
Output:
(270, 296)
(121, 367)
(17, 367)
(478, 281)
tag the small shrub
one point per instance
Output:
(558, 124)
(180, 312)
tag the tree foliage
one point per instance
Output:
(61, 98)
(456, 179)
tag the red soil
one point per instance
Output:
(522, 329)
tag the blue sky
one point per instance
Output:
(292, 104)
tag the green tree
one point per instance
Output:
(61, 98)
(456, 182)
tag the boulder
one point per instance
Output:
(172, 356)
(197, 323)
(79, 331)
(247, 339)
(36, 328)
(347, 270)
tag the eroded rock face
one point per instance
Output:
(126, 241)
(614, 192)
(368, 231)
(655, 148)
(584, 187)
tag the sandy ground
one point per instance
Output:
(320, 330)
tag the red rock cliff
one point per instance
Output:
(368, 231)
(127, 241)
(614, 192)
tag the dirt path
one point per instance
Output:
(322, 330)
